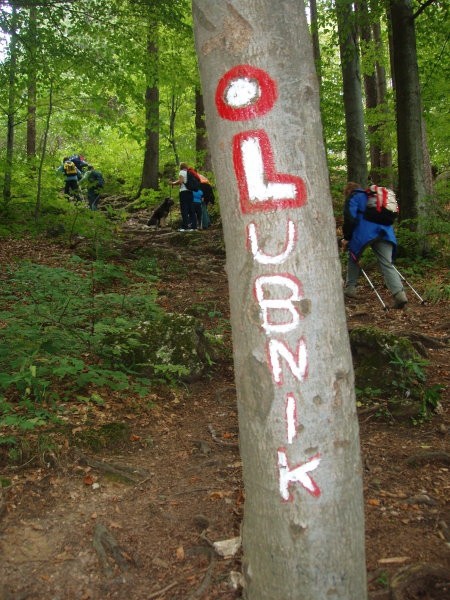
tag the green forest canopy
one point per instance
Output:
(84, 68)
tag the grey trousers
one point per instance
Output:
(383, 252)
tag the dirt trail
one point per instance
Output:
(142, 525)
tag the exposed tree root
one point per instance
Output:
(104, 544)
(420, 579)
(120, 471)
(425, 457)
(162, 591)
(427, 340)
(198, 593)
(219, 441)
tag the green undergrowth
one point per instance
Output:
(391, 374)
(59, 332)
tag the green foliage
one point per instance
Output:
(56, 339)
(390, 373)
(412, 376)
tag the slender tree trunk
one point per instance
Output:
(385, 150)
(37, 208)
(303, 532)
(201, 139)
(427, 168)
(151, 153)
(371, 91)
(353, 106)
(411, 183)
(315, 39)
(31, 84)
(172, 117)
(11, 110)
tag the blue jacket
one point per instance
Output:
(197, 196)
(360, 232)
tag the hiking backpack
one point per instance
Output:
(79, 161)
(382, 206)
(192, 181)
(70, 168)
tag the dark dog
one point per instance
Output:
(161, 213)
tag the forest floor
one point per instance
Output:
(139, 520)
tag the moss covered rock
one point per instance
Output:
(373, 352)
(390, 365)
(172, 347)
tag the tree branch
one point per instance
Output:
(422, 8)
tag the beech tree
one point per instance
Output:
(411, 181)
(11, 109)
(303, 532)
(353, 106)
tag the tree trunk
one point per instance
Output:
(353, 106)
(172, 117)
(11, 110)
(411, 185)
(303, 532)
(371, 92)
(203, 155)
(37, 208)
(315, 39)
(386, 152)
(31, 84)
(151, 153)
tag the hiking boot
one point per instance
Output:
(350, 292)
(400, 299)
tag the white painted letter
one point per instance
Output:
(266, 259)
(298, 366)
(281, 304)
(297, 475)
(291, 417)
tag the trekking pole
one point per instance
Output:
(422, 301)
(373, 287)
(402, 277)
(353, 257)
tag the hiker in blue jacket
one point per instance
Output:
(71, 175)
(94, 181)
(360, 233)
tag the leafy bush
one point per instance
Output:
(56, 327)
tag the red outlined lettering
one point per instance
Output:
(266, 259)
(298, 474)
(261, 188)
(291, 417)
(288, 315)
(245, 92)
(298, 365)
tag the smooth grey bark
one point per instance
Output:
(31, 83)
(385, 159)
(203, 155)
(310, 544)
(151, 152)
(12, 76)
(38, 205)
(411, 184)
(353, 104)
(315, 38)
(371, 89)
